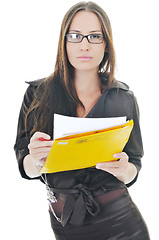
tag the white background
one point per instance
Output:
(29, 36)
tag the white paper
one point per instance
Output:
(64, 126)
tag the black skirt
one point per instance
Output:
(119, 219)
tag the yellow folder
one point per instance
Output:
(87, 149)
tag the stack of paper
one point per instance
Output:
(64, 125)
(83, 142)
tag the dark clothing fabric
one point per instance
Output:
(79, 198)
(118, 219)
(77, 188)
(117, 101)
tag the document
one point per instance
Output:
(78, 149)
(64, 126)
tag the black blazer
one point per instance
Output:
(117, 101)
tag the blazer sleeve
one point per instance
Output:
(23, 137)
(134, 147)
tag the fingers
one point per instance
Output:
(39, 149)
(115, 167)
(40, 155)
(38, 135)
(115, 164)
(121, 155)
(35, 145)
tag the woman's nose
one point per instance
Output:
(85, 45)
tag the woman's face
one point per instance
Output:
(85, 55)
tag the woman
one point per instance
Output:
(91, 203)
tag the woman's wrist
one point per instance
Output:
(129, 174)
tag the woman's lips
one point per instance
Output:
(84, 58)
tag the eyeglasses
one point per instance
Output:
(91, 38)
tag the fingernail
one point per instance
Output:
(98, 165)
(114, 155)
(47, 137)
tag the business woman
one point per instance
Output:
(91, 203)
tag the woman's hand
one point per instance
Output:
(122, 169)
(39, 148)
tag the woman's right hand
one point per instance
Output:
(39, 148)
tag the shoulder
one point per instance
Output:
(119, 85)
(119, 88)
(119, 99)
(115, 85)
(35, 83)
(31, 91)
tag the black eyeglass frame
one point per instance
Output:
(85, 36)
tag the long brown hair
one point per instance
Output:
(57, 94)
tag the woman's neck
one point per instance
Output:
(88, 88)
(86, 82)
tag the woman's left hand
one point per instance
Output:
(116, 168)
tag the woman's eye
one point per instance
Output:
(94, 36)
(75, 36)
